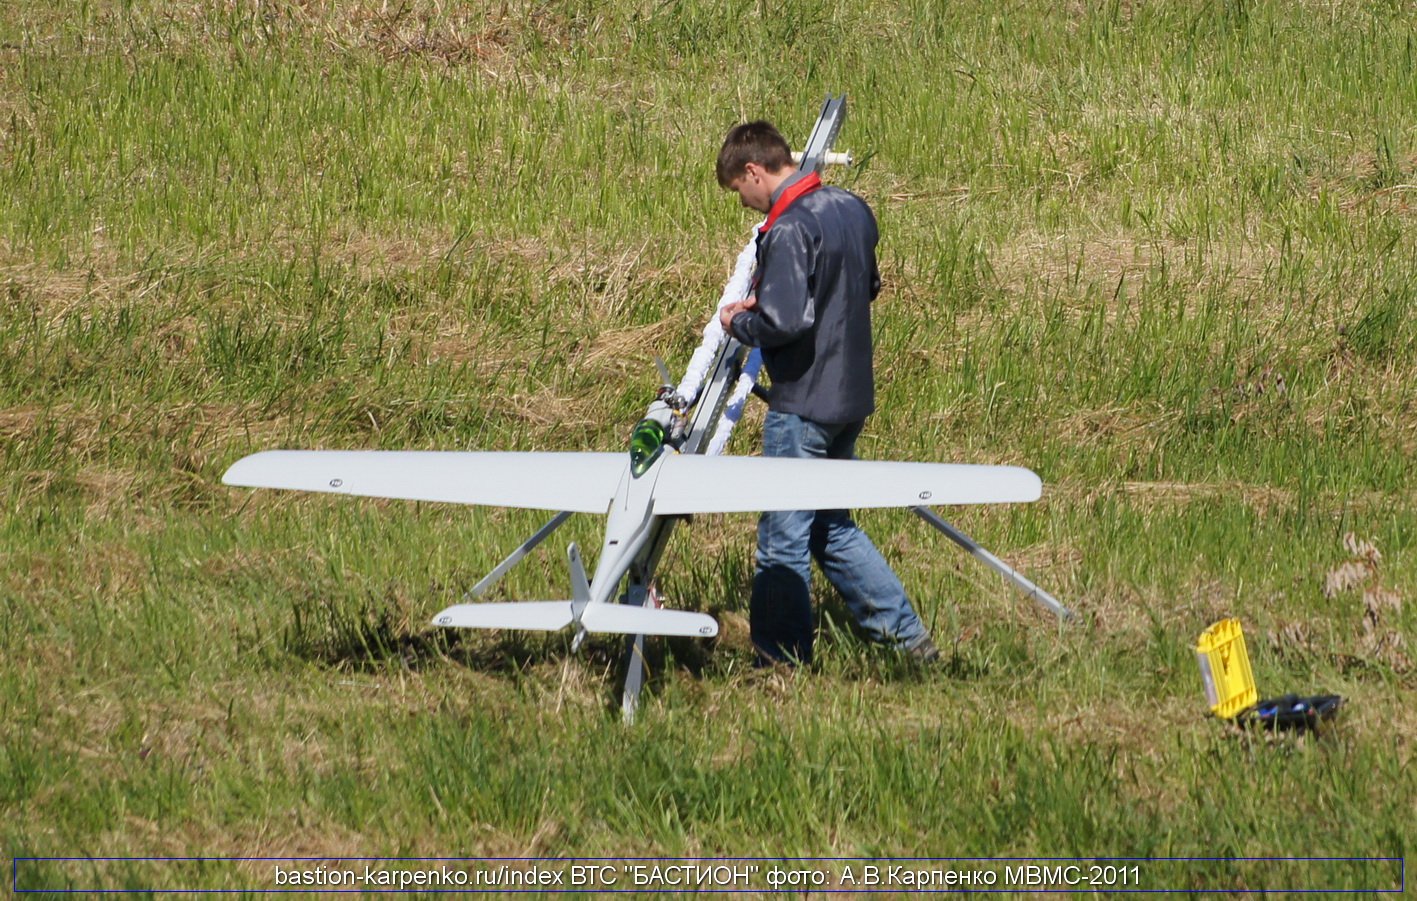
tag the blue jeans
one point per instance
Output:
(780, 612)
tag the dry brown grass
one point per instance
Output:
(483, 36)
(623, 348)
(198, 436)
(51, 293)
(1117, 425)
(1122, 258)
(88, 425)
(1170, 494)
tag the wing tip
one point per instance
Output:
(1035, 484)
(246, 472)
(238, 473)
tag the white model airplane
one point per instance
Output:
(636, 495)
(670, 473)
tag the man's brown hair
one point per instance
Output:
(752, 142)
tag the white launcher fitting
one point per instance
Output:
(833, 158)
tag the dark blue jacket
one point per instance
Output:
(817, 277)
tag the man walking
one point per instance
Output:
(810, 312)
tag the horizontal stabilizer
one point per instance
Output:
(628, 620)
(548, 616)
(541, 616)
(697, 484)
(573, 482)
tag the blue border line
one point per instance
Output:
(15, 870)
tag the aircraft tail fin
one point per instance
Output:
(580, 586)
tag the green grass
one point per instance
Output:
(1162, 254)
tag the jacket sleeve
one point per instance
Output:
(786, 309)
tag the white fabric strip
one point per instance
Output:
(733, 410)
(737, 288)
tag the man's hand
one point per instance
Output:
(727, 312)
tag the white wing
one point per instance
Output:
(576, 482)
(696, 484)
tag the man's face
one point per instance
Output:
(752, 187)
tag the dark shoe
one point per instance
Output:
(924, 651)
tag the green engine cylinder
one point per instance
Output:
(646, 444)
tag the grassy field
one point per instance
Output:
(1163, 254)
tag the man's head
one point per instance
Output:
(754, 160)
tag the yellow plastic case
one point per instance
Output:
(1225, 669)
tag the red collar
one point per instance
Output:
(784, 200)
